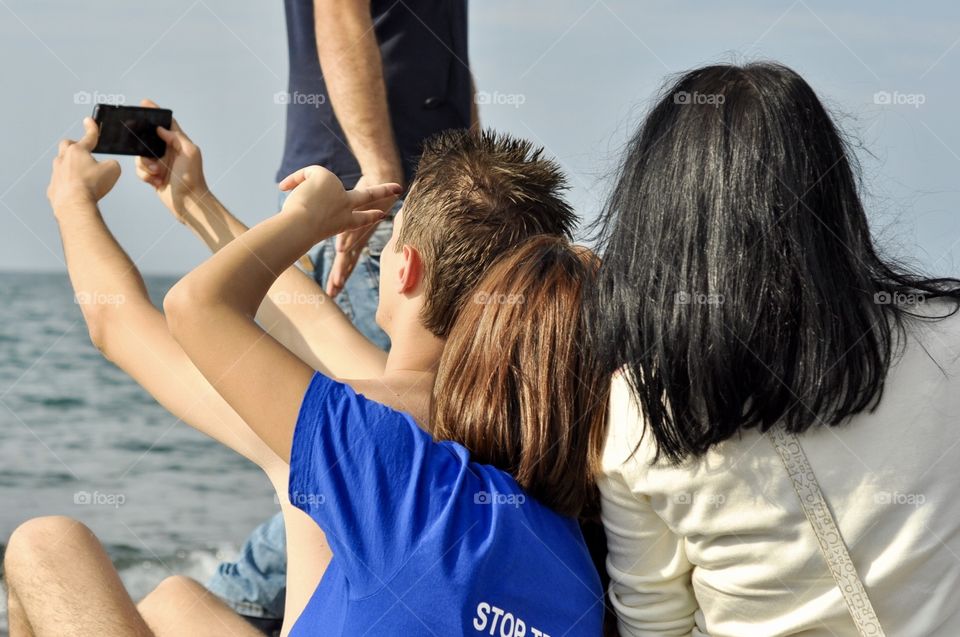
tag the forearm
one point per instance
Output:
(105, 281)
(210, 220)
(296, 311)
(353, 72)
(132, 333)
(211, 311)
(240, 274)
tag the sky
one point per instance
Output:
(575, 76)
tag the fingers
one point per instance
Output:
(363, 224)
(91, 132)
(296, 178)
(64, 145)
(355, 239)
(365, 197)
(150, 171)
(173, 139)
(364, 218)
(174, 126)
(340, 270)
(111, 168)
(110, 173)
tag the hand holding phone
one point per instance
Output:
(77, 177)
(131, 130)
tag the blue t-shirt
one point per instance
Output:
(423, 48)
(426, 542)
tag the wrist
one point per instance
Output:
(70, 204)
(383, 174)
(309, 223)
(195, 203)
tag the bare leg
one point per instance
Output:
(63, 584)
(182, 606)
(16, 620)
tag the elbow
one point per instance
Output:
(189, 309)
(178, 304)
(98, 321)
(103, 313)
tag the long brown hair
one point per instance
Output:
(516, 385)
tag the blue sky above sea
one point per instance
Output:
(574, 76)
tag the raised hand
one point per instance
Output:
(349, 245)
(78, 178)
(178, 175)
(318, 195)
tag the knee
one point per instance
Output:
(43, 538)
(169, 596)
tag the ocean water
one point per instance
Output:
(78, 437)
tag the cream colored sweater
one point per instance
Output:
(721, 547)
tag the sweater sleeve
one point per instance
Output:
(650, 576)
(650, 586)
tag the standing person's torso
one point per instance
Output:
(734, 519)
(423, 47)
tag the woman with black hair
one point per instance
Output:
(764, 350)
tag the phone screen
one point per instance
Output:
(131, 130)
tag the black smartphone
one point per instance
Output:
(131, 130)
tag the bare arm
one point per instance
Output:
(211, 311)
(122, 321)
(353, 72)
(297, 312)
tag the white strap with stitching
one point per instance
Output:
(825, 527)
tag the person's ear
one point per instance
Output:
(411, 270)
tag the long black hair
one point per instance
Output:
(739, 285)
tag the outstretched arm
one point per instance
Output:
(211, 311)
(122, 321)
(296, 312)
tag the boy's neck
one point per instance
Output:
(407, 380)
(413, 348)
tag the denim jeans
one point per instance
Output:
(255, 584)
(361, 294)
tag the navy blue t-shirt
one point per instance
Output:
(423, 46)
(426, 542)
